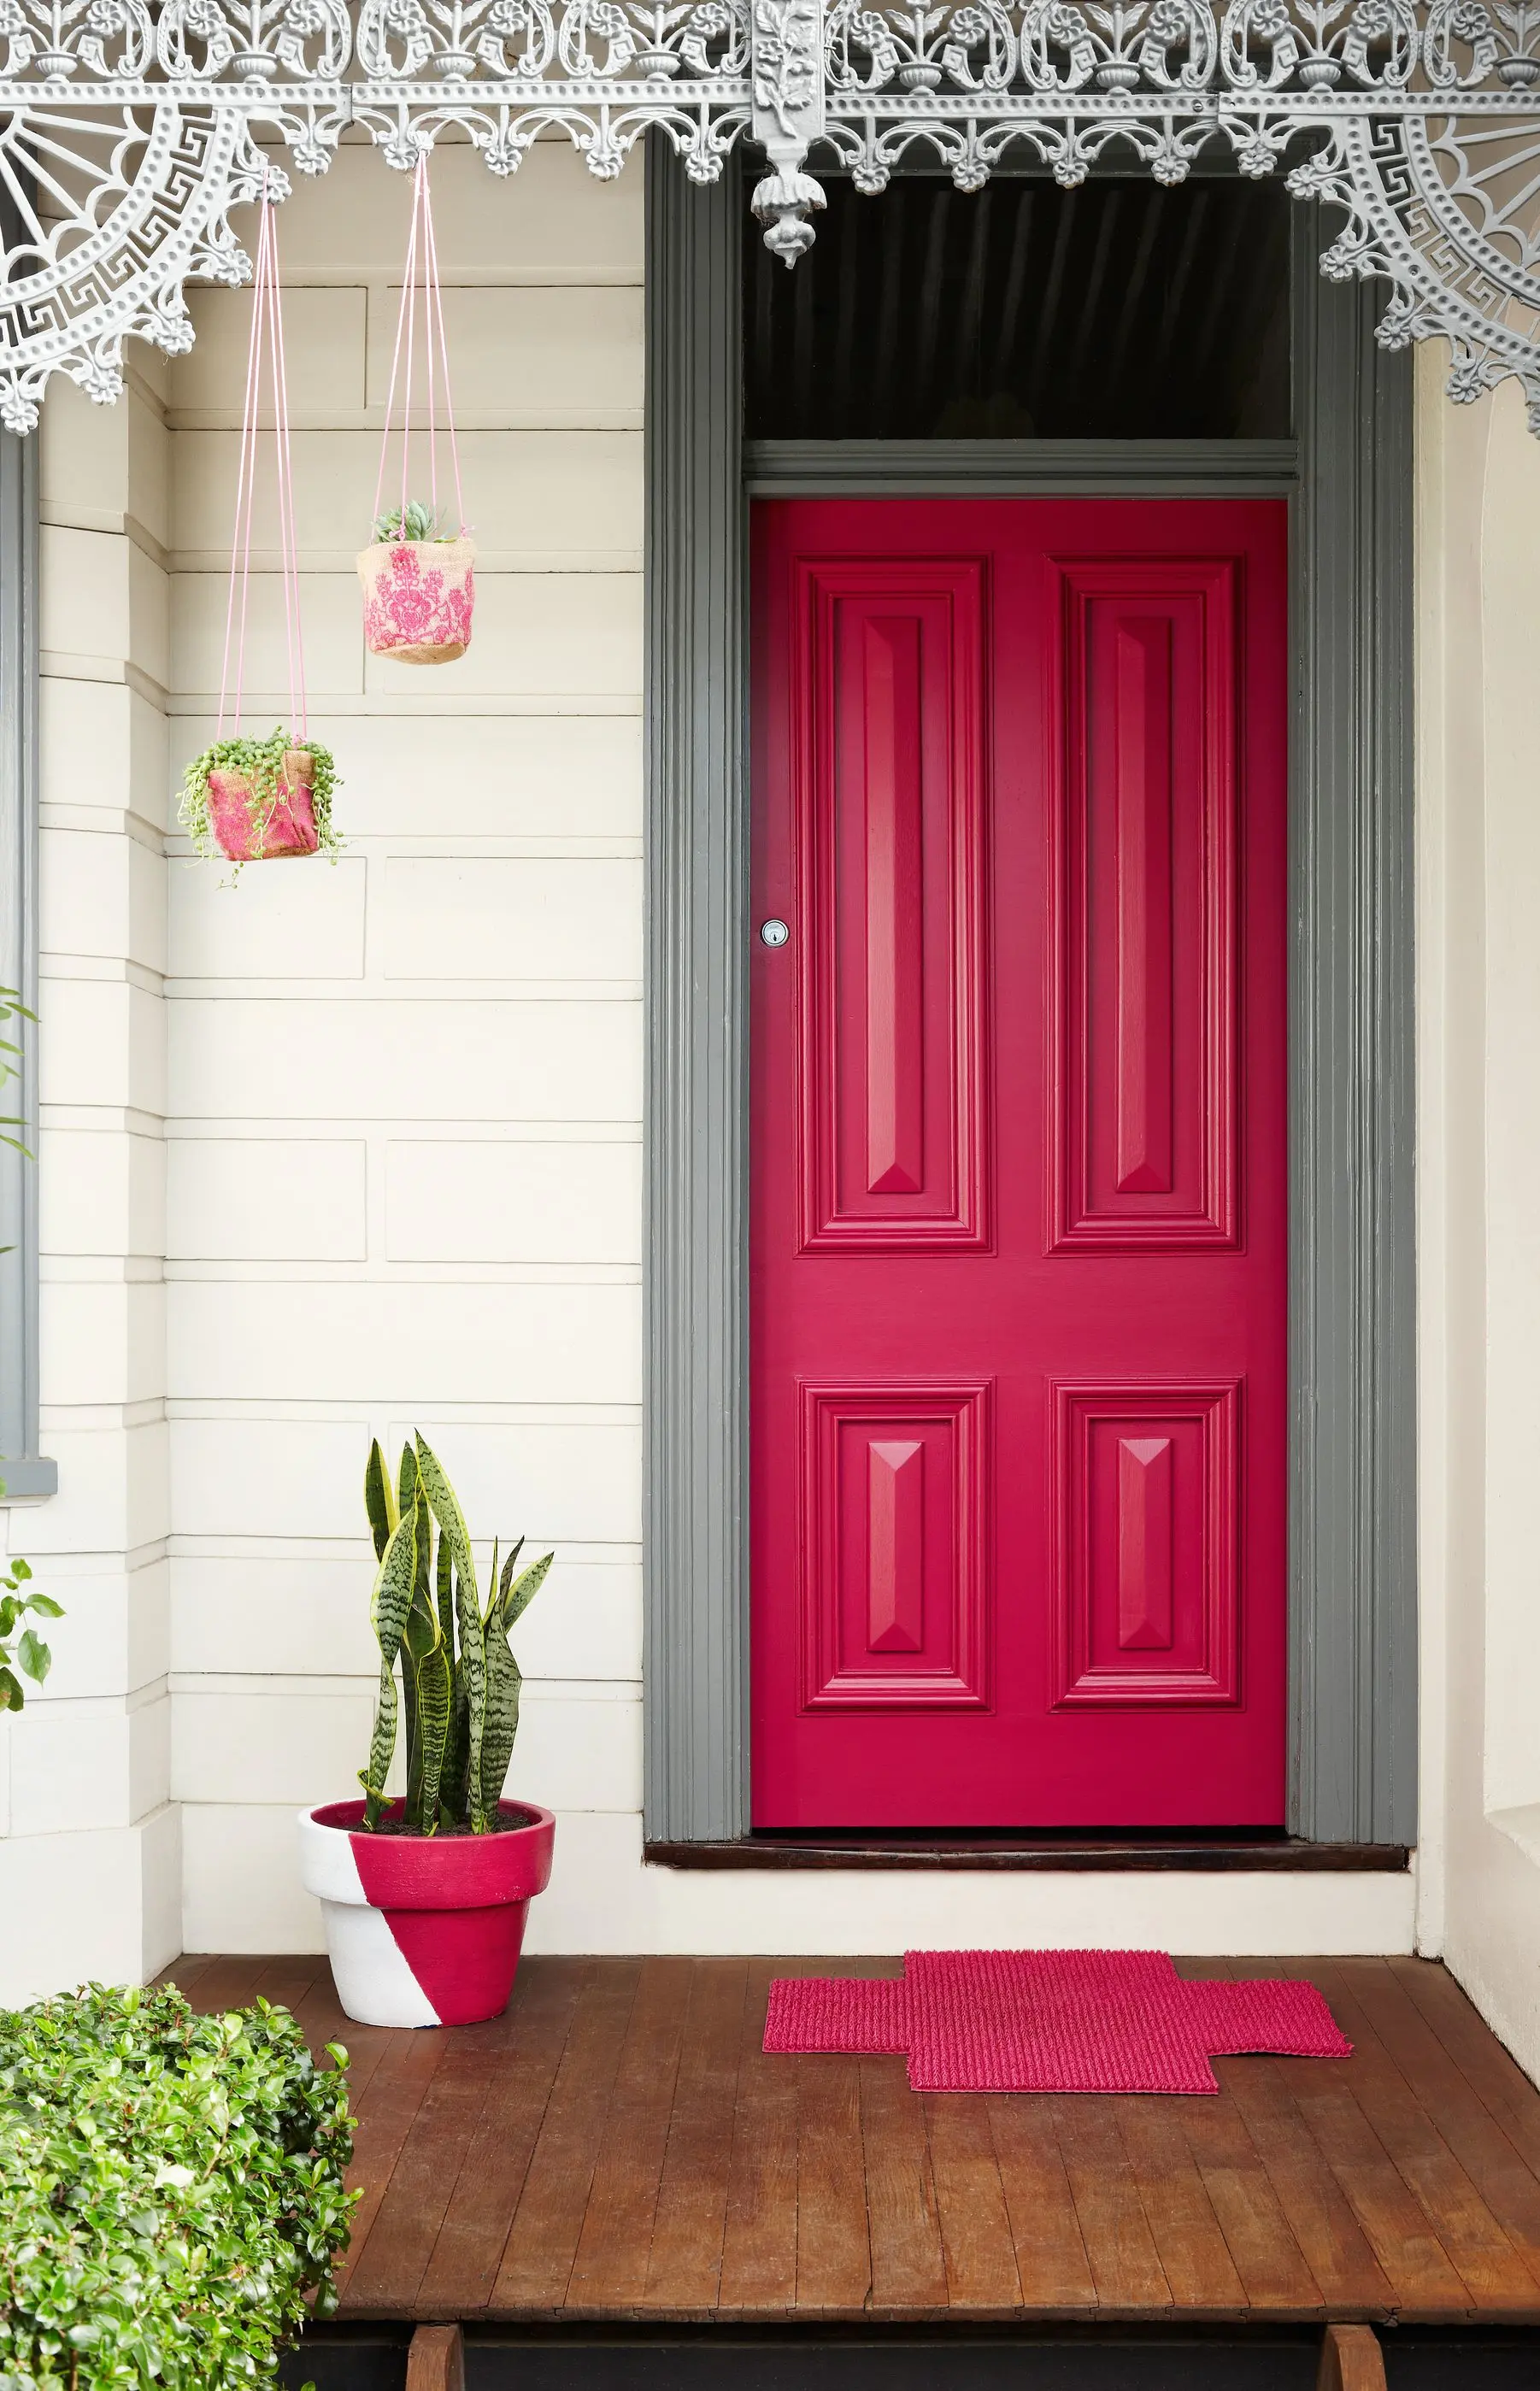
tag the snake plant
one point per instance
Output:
(460, 1682)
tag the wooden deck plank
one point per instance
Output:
(405, 2068)
(388, 2279)
(759, 2239)
(1272, 2267)
(474, 2232)
(1493, 2270)
(1179, 2207)
(1484, 2146)
(685, 2268)
(1125, 2265)
(1423, 2280)
(1052, 2266)
(909, 2270)
(609, 2269)
(833, 2246)
(547, 2222)
(285, 1983)
(977, 2240)
(229, 1983)
(1321, 2218)
(185, 1970)
(1493, 2073)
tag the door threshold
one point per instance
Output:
(1247, 1852)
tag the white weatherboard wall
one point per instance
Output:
(1479, 869)
(404, 1150)
(89, 1859)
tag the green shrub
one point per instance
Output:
(171, 2190)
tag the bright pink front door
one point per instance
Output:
(1019, 1164)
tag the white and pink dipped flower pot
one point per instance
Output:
(424, 1929)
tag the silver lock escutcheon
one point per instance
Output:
(774, 933)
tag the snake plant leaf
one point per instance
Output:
(407, 1490)
(503, 1685)
(518, 1596)
(434, 1696)
(472, 1651)
(445, 1599)
(379, 1500)
(417, 1644)
(454, 1791)
(394, 1586)
(381, 1750)
(499, 1593)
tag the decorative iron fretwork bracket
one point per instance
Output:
(130, 129)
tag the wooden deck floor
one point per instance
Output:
(617, 2148)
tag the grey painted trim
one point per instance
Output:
(23, 1470)
(1352, 1454)
(1353, 1310)
(696, 1469)
(911, 469)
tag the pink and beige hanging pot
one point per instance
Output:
(418, 597)
(236, 812)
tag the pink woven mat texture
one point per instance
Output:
(1050, 2020)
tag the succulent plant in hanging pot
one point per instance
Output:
(420, 586)
(253, 800)
(424, 1896)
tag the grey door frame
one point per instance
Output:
(1347, 474)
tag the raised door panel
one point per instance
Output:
(1146, 1538)
(1145, 1132)
(891, 860)
(894, 1510)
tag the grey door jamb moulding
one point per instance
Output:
(21, 1467)
(1352, 1454)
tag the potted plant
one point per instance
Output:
(420, 586)
(253, 800)
(424, 1897)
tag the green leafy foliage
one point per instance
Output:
(263, 759)
(172, 2192)
(414, 521)
(29, 1653)
(460, 1682)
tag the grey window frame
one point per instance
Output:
(24, 1472)
(1354, 1716)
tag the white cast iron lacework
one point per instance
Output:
(129, 130)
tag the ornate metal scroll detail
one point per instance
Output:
(129, 129)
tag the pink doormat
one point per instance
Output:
(1050, 2020)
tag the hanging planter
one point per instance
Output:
(254, 800)
(417, 591)
(420, 584)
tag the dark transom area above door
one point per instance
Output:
(1116, 311)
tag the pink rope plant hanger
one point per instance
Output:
(419, 585)
(256, 799)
